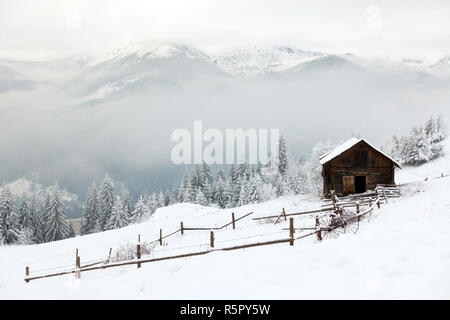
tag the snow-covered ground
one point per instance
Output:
(401, 252)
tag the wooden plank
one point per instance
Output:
(296, 213)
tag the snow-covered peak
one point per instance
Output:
(149, 51)
(442, 67)
(254, 61)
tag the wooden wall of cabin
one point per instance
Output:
(361, 160)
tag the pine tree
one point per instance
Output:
(46, 209)
(186, 190)
(232, 175)
(71, 231)
(8, 218)
(174, 196)
(39, 228)
(118, 218)
(91, 211)
(161, 200)
(57, 227)
(24, 214)
(282, 156)
(243, 193)
(128, 205)
(141, 210)
(220, 195)
(313, 168)
(196, 177)
(206, 174)
(107, 197)
(208, 191)
(229, 194)
(254, 192)
(153, 203)
(200, 198)
(26, 223)
(296, 182)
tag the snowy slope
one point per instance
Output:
(428, 170)
(400, 252)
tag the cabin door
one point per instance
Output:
(348, 183)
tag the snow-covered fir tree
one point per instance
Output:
(91, 211)
(9, 220)
(161, 200)
(141, 211)
(313, 168)
(282, 156)
(254, 191)
(200, 198)
(106, 198)
(153, 204)
(174, 196)
(423, 143)
(38, 224)
(220, 195)
(186, 190)
(26, 223)
(118, 217)
(57, 227)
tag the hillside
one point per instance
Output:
(400, 252)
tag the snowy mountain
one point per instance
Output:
(441, 67)
(148, 51)
(11, 79)
(257, 61)
(136, 68)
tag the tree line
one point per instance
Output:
(422, 144)
(31, 221)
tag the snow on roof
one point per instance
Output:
(346, 146)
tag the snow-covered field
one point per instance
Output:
(401, 252)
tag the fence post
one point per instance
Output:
(357, 207)
(232, 219)
(378, 203)
(181, 227)
(291, 231)
(109, 255)
(319, 232)
(160, 237)
(78, 264)
(138, 251)
(284, 214)
(212, 239)
(27, 273)
(370, 202)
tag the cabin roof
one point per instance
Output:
(327, 157)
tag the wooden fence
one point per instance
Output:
(317, 231)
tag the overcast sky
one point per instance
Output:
(49, 28)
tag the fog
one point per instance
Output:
(64, 129)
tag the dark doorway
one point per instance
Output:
(360, 184)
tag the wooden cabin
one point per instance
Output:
(356, 167)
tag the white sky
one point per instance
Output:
(32, 29)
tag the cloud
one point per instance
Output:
(48, 28)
